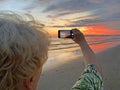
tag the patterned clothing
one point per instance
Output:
(89, 80)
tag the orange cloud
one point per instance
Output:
(100, 29)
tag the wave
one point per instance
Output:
(66, 44)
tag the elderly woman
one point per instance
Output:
(23, 51)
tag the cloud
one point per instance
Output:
(62, 14)
(74, 12)
(3, 2)
(104, 18)
(111, 21)
(115, 25)
(71, 5)
(101, 29)
(102, 11)
(37, 4)
(96, 1)
(13, 4)
(57, 26)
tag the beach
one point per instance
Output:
(110, 61)
(63, 76)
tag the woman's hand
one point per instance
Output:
(78, 36)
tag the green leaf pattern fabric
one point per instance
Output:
(89, 80)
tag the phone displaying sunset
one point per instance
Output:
(98, 20)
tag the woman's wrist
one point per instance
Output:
(82, 42)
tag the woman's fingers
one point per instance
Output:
(78, 35)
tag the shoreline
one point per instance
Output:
(64, 76)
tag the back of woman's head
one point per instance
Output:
(23, 49)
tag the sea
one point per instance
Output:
(98, 43)
(63, 50)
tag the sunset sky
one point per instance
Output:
(90, 16)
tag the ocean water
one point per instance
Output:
(97, 43)
(62, 51)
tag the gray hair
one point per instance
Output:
(23, 48)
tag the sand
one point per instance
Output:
(64, 76)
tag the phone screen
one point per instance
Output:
(65, 34)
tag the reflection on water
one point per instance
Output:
(97, 42)
(62, 50)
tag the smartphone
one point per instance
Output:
(65, 34)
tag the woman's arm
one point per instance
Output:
(89, 55)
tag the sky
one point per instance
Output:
(90, 16)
